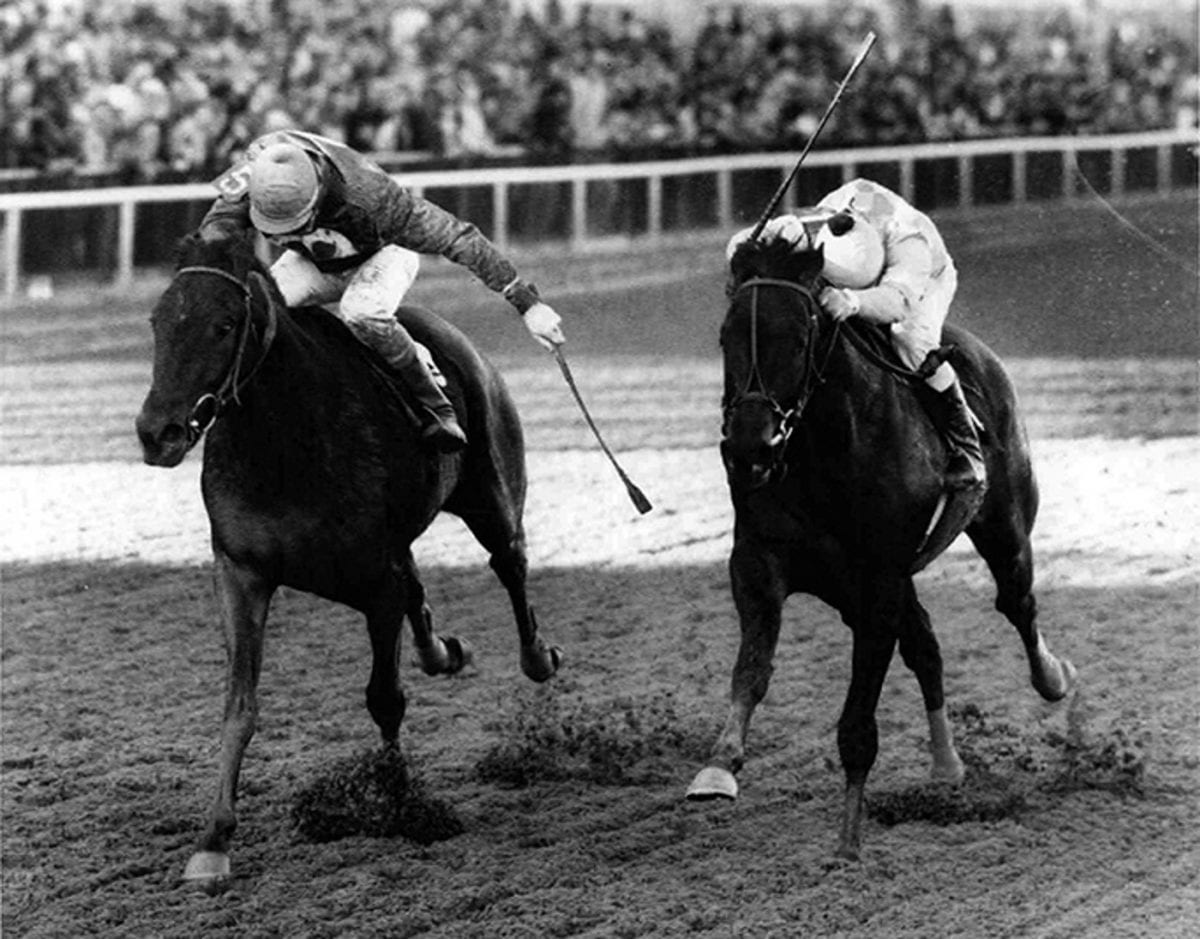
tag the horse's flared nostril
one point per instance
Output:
(162, 445)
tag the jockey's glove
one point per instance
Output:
(789, 228)
(840, 303)
(545, 325)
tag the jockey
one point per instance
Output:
(351, 234)
(886, 262)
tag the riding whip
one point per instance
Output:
(782, 190)
(641, 503)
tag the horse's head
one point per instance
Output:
(212, 326)
(769, 342)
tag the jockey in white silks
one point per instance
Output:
(886, 262)
(351, 235)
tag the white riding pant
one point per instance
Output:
(919, 335)
(370, 292)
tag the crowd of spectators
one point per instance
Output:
(141, 90)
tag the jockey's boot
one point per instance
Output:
(439, 424)
(966, 469)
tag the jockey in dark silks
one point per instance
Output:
(886, 262)
(351, 235)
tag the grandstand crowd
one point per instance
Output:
(137, 91)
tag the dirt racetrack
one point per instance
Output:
(1078, 820)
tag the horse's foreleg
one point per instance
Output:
(875, 635)
(436, 654)
(245, 598)
(759, 591)
(1006, 549)
(919, 649)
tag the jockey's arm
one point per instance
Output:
(226, 218)
(420, 225)
(907, 274)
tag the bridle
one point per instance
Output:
(208, 406)
(755, 389)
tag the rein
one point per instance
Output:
(755, 389)
(208, 406)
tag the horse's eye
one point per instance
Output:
(225, 327)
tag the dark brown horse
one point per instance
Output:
(835, 473)
(314, 478)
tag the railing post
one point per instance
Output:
(1164, 169)
(908, 180)
(654, 205)
(725, 199)
(12, 251)
(126, 215)
(1020, 171)
(1070, 183)
(578, 212)
(1117, 187)
(966, 181)
(500, 214)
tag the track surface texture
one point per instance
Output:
(1076, 820)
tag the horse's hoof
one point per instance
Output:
(847, 854)
(461, 653)
(712, 782)
(541, 663)
(207, 869)
(951, 772)
(1061, 684)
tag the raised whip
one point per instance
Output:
(779, 193)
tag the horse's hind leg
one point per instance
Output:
(1002, 539)
(498, 528)
(438, 655)
(920, 651)
(244, 598)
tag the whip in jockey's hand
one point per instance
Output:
(886, 262)
(353, 236)
(545, 325)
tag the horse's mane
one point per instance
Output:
(234, 253)
(777, 259)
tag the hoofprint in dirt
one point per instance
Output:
(112, 675)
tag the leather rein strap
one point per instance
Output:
(813, 376)
(208, 406)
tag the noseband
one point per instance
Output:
(755, 389)
(208, 406)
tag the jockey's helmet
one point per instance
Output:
(284, 189)
(854, 252)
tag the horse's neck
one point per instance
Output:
(295, 386)
(852, 393)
